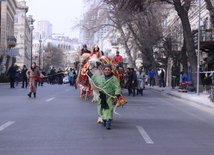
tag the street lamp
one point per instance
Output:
(31, 52)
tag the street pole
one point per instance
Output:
(40, 50)
(31, 50)
(199, 31)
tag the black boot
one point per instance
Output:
(34, 94)
(29, 94)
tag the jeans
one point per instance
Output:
(152, 81)
(17, 80)
(162, 84)
(71, 80)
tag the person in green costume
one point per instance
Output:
(109, 89)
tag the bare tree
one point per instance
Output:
(210, 7)
(102, 15)
(181, 7)
(53, 57)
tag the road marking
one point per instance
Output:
(6, 125)
(50, 99)
(67, 89)
(145, 135)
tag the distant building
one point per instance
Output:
(43, 28)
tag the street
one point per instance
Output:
(59, 122)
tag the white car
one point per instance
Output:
(65, 80)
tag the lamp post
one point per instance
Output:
(31, 52)
(198, 60)
(40, 51)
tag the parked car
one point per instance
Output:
(65, 80)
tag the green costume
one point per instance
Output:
(105, 102)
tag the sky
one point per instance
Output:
(62, 14)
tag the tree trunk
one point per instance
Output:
(128, 52)
(188, 37)
(184, 57)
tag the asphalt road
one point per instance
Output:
(59, 122)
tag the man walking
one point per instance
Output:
(109, 89)
(152, 75)
(60, 76)
(11, 73)
(24, 77)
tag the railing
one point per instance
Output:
(205, 36)
(11, 38)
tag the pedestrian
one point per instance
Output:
(146, 79)
(60, 76)
(33, 74)
(109, 89)
(71, 75)
(152, 75)
(132, 82)
(140, 81)
(11, 73)
(52, 75)
(162, 81)
(24, 77)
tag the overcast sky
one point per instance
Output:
(61, 13)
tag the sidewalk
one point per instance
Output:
(201, 99)
(3, 84)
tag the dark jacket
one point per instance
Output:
(132, 77)
(11, 72)
(24, 70)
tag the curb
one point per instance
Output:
(180, 97)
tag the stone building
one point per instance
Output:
(7, 38)
(23, 31)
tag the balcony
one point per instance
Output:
(206, 39)
(11, 41)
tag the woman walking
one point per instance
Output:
(33, 74)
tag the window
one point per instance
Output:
(164, 23)
(16, 18)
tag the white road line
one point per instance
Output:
(145, 135)
(6, 125)
(67, 89)
(50, 99)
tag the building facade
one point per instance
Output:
(23, 34)
(7, 38)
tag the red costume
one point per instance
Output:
(117, 58)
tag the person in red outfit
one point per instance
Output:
(117, 58)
